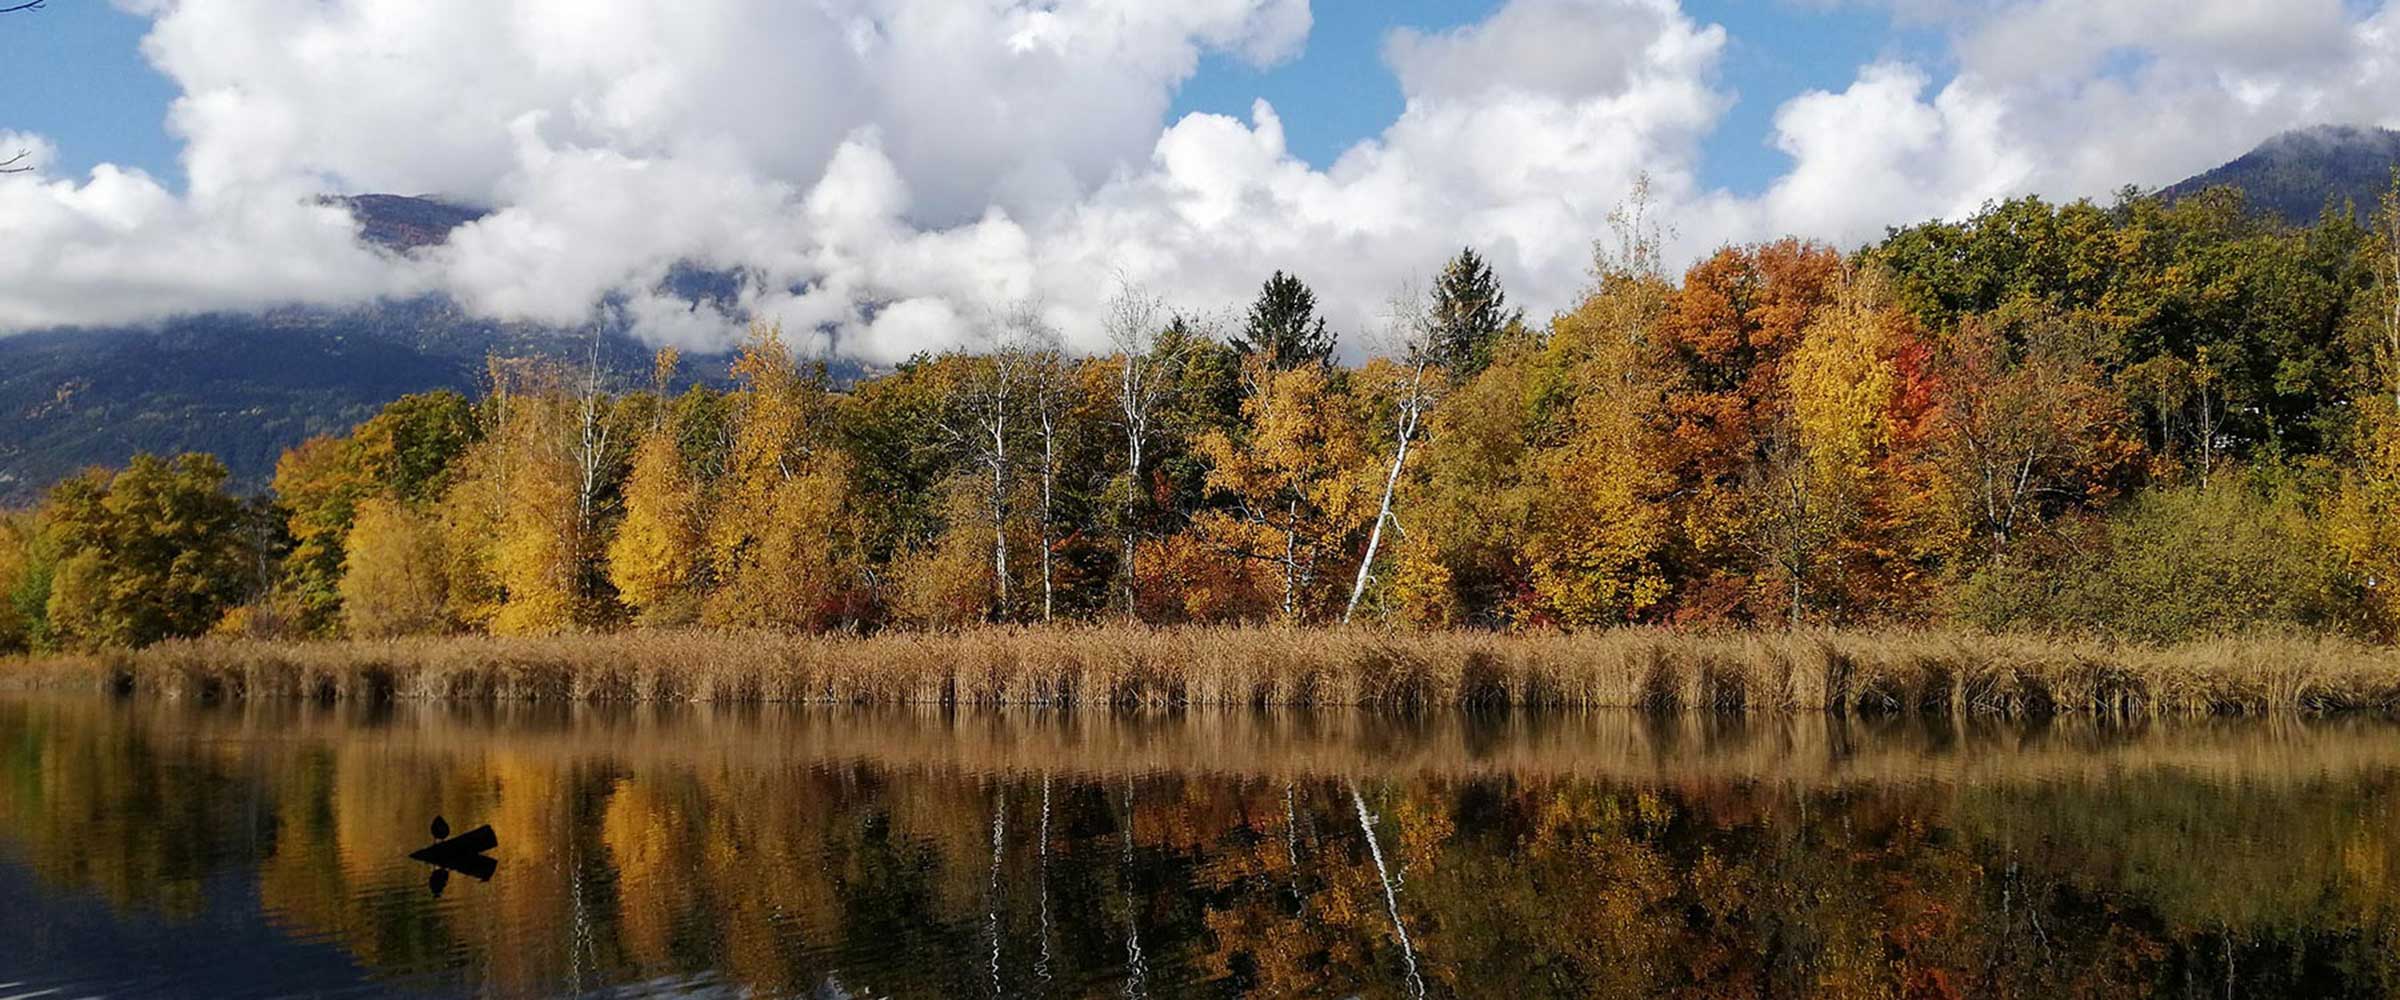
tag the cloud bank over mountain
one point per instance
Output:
(887, 175)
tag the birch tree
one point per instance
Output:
(988, 415)
(593, 457)
(1414, 336)
(1145, 384)
(1049, 390)
(2387, 271)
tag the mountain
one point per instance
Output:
(402, 222)
(2293, 176)
(245, 386)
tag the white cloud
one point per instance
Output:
(889, 174)
(118, 247)
(2069, 99)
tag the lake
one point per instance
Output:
(153, 847)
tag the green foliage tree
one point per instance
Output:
(1470, 313)
(2176, 565)
(1284, 327)
(407, 449)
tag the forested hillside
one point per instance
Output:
(246, 386)
(2302, 173)
(2148, 419)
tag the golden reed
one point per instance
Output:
(1111, 666)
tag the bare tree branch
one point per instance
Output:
(16, 164)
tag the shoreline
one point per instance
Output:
(1088, 667)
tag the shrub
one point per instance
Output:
(2178, 564)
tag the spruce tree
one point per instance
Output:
(1469, 314)
(1284, 326)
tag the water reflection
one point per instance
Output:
(265, 849)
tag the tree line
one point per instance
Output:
(2148, 419)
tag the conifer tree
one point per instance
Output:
(1284, 328)
(1469, 314)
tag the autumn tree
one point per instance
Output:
(2364, 521)
(1052, 400)
(1146, 367)
(1294, 475)
(782, 533)
(2027, 431)
(945, 581)
(1823, 486)
(404, 452)
(153, 552)
(1472, 504)
(392, 573)
(546, 539)
(986, 420)
(1602, 522)
(319, 484)
(653, 559)
(1728, 335)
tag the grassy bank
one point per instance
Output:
(1099, 667)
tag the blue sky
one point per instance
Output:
(1339, 90)
(78, 76)
(74, 72)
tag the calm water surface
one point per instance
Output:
(151, 848)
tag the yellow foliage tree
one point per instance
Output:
(946, 582)
(539, 560)
(1458, 561)
(469, 520)
(654, 558)
(2365, 516)
(1842, 380)
(1602, 520)
(516, 531)
(803, 570)
(1821, 483)
(393, 580)
(782, 534)
(16, 558)
(1302, 477)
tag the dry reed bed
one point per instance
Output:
(1873, 672)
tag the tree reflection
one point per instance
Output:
(787, 876)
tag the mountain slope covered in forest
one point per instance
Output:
(246, 386)
(2294, 176)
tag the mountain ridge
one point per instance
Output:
(2298, 174)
